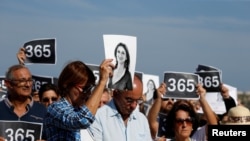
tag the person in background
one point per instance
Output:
(48, 93)
(79, 100)
(121, 78)
(19, 105)
(119, 120)
(183, 120)
(35, 95)
(228, 101)
(238, 115)
(166, 128)
(157, 116)
(106, 97)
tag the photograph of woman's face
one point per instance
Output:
(121, 54)
(118, 47)
(151, 85)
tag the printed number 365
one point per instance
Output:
(181, 85)
(19, 134)
(38, 51)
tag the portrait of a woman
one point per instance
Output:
(121, 78)
(150, 91)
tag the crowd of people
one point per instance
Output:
(77, 102)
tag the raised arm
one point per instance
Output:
(155, 109)
(106, 70)
(207, 110)
(228, 100)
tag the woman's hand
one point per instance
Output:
(2, 139)
(200, 91)
(106, 70)
(161, 90)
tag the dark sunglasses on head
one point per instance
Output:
(46, 99)
(180, 121)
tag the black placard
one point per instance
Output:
(20, 130)
(181, 85)
(41, 51)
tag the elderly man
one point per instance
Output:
(19, 105)
(120, 120)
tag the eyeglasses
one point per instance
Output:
(88, 88)
(131, 100)
(46, 99)
(22, 81)
(189, 121)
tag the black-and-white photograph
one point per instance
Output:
(150, 84)
(123, 51)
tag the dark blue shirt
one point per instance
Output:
(35, 112)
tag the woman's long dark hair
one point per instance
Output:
(127, 62)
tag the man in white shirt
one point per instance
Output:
(118, 120)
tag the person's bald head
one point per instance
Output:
(126, 101)
(137, 86)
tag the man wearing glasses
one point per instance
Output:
(19, 105)
(120, 119)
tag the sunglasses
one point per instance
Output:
(166, 99)
(188, 121)
(46, 99)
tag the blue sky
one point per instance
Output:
(171, 35)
